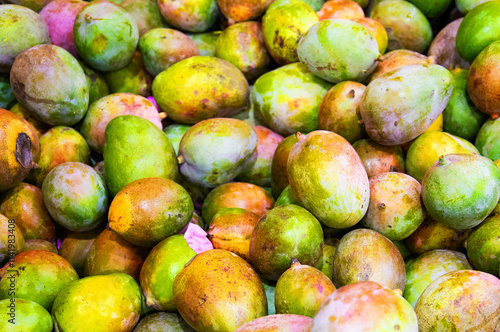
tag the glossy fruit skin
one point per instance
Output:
(340, 9)
(28, 316)
(119, 310)
(189, 15)
(450, 302)
(243, 10)
(338, 50)
(483, 245)
(279, 173)
(480, 28)
(483, 87)
(75, 247)
(284, 233)
(146, 14)
(465, 6)
(165, 321)
(288, 99)
(37, 244)
(487, 139)
(206, 42)
(48, 81)
(378, 158)
(377, 30)
(281, 40)
(398, 58)
(13, 19)
(174, 133)
(11, 239)
(287, 197)
(75, 196)
(278, 323)
(443, 47)
(133, 78)
(337, 195)
(365, 306)
(432, 9)
(186, 90)
(382, 106)
(230, 290)
(132, 152)
(426, 268)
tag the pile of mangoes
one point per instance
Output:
(249, 165)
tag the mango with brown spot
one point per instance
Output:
(379, 158)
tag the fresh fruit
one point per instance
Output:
(240, 11)
(24, 315)
(163, 321)
(279, 172)
(377, 30)
(278, 323)
(37, 244)
(206, 42)
(488, 139)
(174, 133)
(483, 246)
(378, 158)
(443, 47)
(11, 239)
(133, 78)
(189, 15)
(340, 9)
(146, 13)
(75, 247)
(432, 9)
(399, 58)
(287, 197)
(98, 87)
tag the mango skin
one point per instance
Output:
(14, 18)
(189, 15)
(338, 50)
(278, 323)
(75, 247)
(288, 99)
(284, 233)
(340, 9)
(378, 158)
(228, 146)
(487, 139)
(48, 81)
(483, 246)
(443, 47)
(464, 204)
(432, 9)
(174, 133)
(283, 24)
(480, 28)
(229, 289)
(163, 321)
(98, 87)
(337, 193)
(243, 10)
(450, 302)
(426, 268)
(146, 13)
(160, 268)
(279, 173)
(206, 42)
(382, 105)
(99, 303)
(75, 196)
(9, 232)
(186, 90)
(149, 153)
(287, 197)
(29, 316)
(377, 30)
(32, 269)
(398, 58)
(133, 78)
(7, 98)
(36, 244)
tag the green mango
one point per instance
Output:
(215, 151)
(98, 87)
(135, 149)
(191, 15)
(402, 103)
(465, 6)
(432, 9)
(279, 173)
(317, 4)
(24, 316)
(133, 78)
(174, 133)
(146, 13)
(206, 42)
(287, 197)
(7, 98)
(488, 139)
(483, 246)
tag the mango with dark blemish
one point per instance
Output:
(189, 15)
(279, 173)
(105, 35)
(285, 233)
(283, 25)
(163, 321)
(75, 247)
(50, 83)
(19, 149)
(30, 316)
(329, 179)
(301, 289)
(9, 230)
(401, 104)
(288, 98)
(379, 158)
(146, 13)
(444, 49)
(133, 78)
(13, 19)
(219, 291)
(206, 42)
(200, 88)
(243, 10)
(215, 151)
(483, 246)
(277, 323)
(399, 58)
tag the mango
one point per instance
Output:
(189, 15)
(200, 88)
(432, 9)
(287, 197)
(399, 58)
(379, 159)
(483, 246)
(340, 9)
(377, 30)
(279, 173)
(98, 87)
(24, 315)
(487, 139)
(465, 6)
(133, 78)
(146, 13)
(328, 179)
(7, 98)
(426, 90)
(11, 239)
(174, 133)
(277, 323)
(163, 321)
(218, 291)
(443, 48)
(75, 247)
(240, 11)
(206, 42)
(37, 244)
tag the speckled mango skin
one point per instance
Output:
(279, 172)
(160, 268)
(146, 14)
(12, 233)
(461, 117)
(483, 246)
(24, 203)
(13, 19)
(148, 210)
(205, 42)
(110, 303)
(378, 158)
(36, 244)
(465, 203)
(365, 306)
(163, 321)
(426, 268)
(338, 50)
(225, 295)
(215, 151)
(200, 88)
(75, 247)
(174, 133)
(399, 58)
(377, 30)
(329, 179)
(488, 138)
(135, 148)
(339, 111)
(401, 104)
(301, 289)
(451, 303)
(429, 146)
(483, 86)
(288, 99)
(243, 10)
(408, 27)
(434, 235)
(32, 269)
(443, 47)
(189, 15)
(109, 107)
(283, 25)
(29, 316)
(238, 195)
(287, 197)
(110, 253)
(278, 323)
(59, 145)
(105, 35)
(284, 233)
(48, 81)
(133, 78)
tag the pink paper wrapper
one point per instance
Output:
(196, 238)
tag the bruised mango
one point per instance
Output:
(189, 15)
(277, 323)
(279, 173)
(378, 158)
(133, 78)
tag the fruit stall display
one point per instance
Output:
(249, 165)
